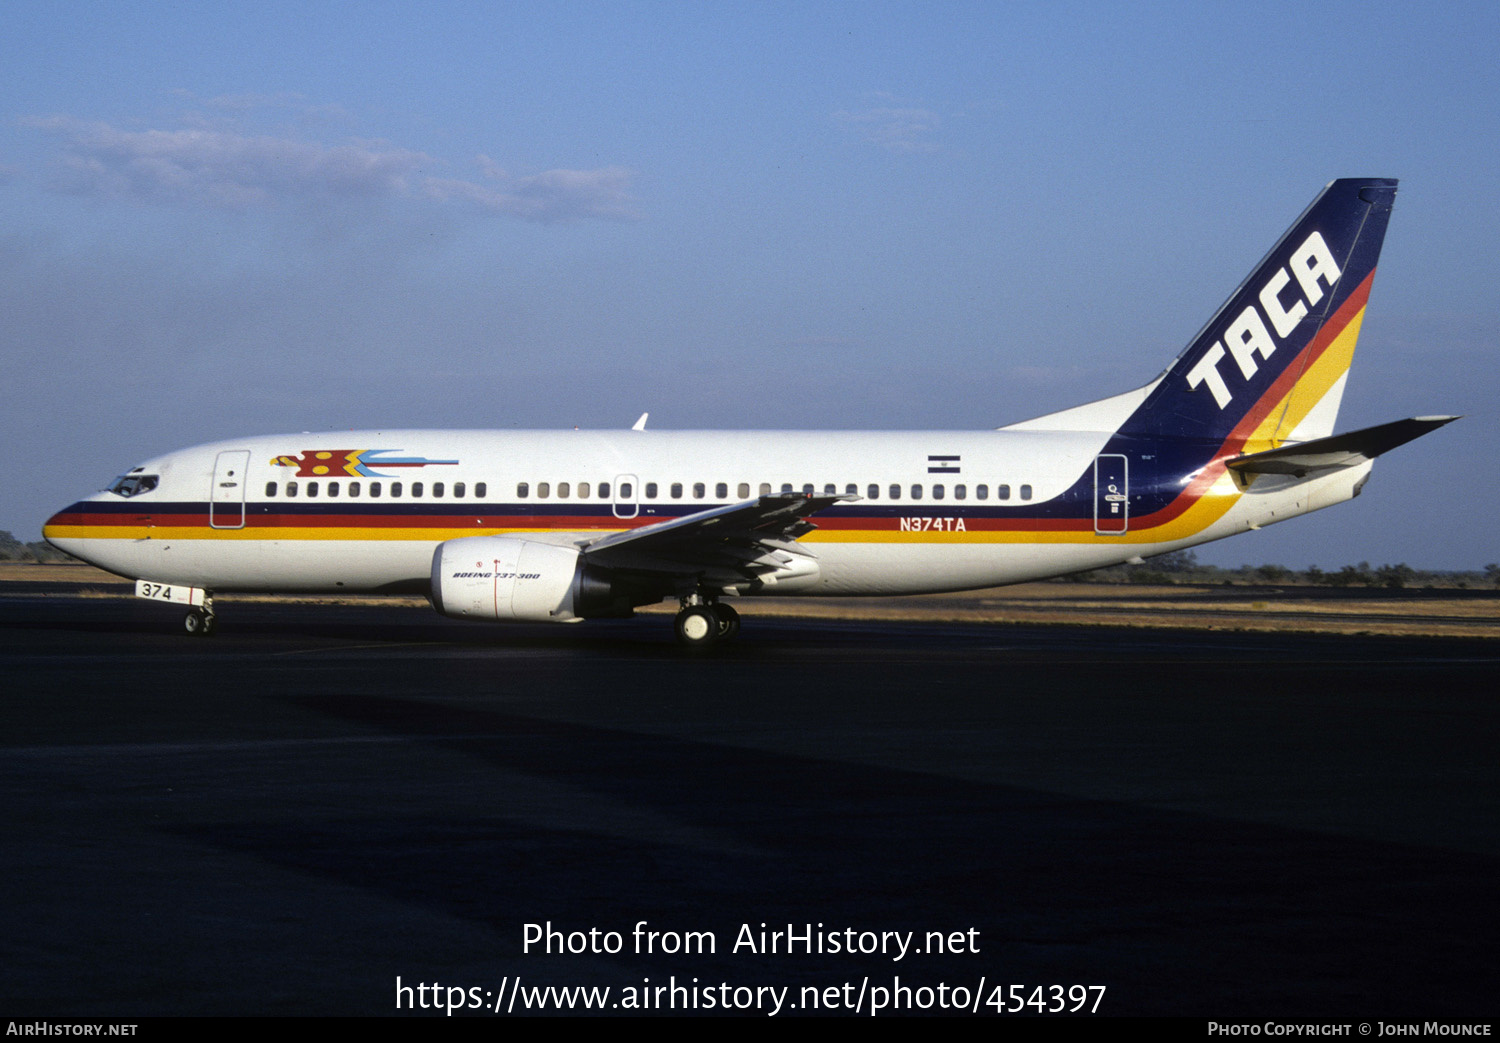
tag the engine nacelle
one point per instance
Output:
(507, 577)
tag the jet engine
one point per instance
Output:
(507, 577)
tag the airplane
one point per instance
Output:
(563, 526)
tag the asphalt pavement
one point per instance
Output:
(323, 805)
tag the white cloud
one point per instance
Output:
(895, 129)
(218, 168)
(549, 197)
(226, 169)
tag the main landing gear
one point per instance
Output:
(702, 623)
(201, 622)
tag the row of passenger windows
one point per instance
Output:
(651, 490)
(374, 489)
(675, 491)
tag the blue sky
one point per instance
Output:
(219, 220)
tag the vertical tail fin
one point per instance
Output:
(1270, 365)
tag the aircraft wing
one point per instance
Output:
(1336, 451)
(749, 544)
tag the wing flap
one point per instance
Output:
(742, 544)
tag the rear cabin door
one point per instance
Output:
(226, 500)
(1111, 494)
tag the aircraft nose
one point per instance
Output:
(62, 529)
(60, 519)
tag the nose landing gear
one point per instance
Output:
(201, 622)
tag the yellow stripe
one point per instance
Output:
(1199, 515)
(1309, 390)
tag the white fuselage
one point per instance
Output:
(936, 511)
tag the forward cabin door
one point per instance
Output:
(1111, 494)
(226, 500)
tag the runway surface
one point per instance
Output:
(289, 816)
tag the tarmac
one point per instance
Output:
(325, 804)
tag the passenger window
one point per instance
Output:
(458, 490)
(1025, 492)
(699, 490)
(650, 491)
(625, 490)
(312, 488)
(873, 491)
(807, 490)
(543, 490)
(676, 490)
(562, 490)
(722, 490)
(981, 492)
(960, 492)
(604, 490)
(786, 487)
(830, 489)
(523, 490)
(479, 490)
(353, 488)
(437, 490)
(937, 492)
(1002, 492)
(916, 492)
(765, 488)
(583, 490)
(852, 489)
(333, 489)
(416, 489)
(374, 490)
(291, 489)
(895, 492)
(270, 488)
(744, 490)
(395, 490)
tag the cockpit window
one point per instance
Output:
(133, 484)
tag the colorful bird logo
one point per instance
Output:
(356, 463)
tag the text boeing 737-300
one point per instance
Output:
(571, 525)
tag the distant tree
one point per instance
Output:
(1396, 576)
(1175, 561)
(12, 549)
(43, 551)
(1273, 573)
(1345, 577)
(1492, 573)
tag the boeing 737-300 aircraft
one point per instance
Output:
(567, 525)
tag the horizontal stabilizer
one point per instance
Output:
(1336, 451)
